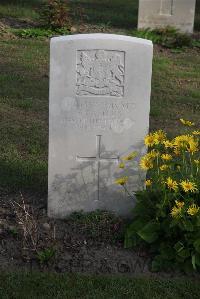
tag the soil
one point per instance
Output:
(78, 244)
(82, 243)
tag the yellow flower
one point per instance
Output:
(160, 136)
(172, 185)
(152, 154)
(148, 183)
(188, 186)
(146, 163)
(149, 140)
(196, 132)
(121, 181)
(176, 212)
(164, 167)
(166, 157)
(121, 165)
(180, 204)
(197, 162)
(177, 152)
(131, 156)
(193, 210)
(182, 141)
(187, 122)
(168, 144)
(192, 146)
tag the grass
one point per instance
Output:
(24, 106)
(175, 90)
(23, 114)
(20, 9)
(44, 285)
(117, 13)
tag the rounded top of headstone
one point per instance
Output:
(103, 36)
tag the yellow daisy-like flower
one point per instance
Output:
(176, 212)
(186, 122)
(197, 162)
(121, 165)
(148, 183)
(192, 147)
(130, 157)
(164, 167)
(182, 141)
(149, 140)
(180, 204)
(172, 185)
(146, 163)
(152, 154)
(166, 157)
(160, 136)
(168, 144)
(193, 210)
(121, 181)
(188, 186)
(196, 132)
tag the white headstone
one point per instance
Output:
(99, 110)
(161, 13)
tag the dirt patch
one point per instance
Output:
(74, 244)
(18, 23)
(84, 244)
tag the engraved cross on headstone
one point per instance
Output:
(98, 159)
(167, 7)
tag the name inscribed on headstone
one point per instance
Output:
(100, 73)
(90, 115)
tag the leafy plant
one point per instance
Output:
(168, 37)
(39, 32)
(55, 14)
(46, 255)
(166, 217)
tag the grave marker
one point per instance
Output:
(99, 91)
(162, 13)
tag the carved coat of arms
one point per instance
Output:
(100, 73)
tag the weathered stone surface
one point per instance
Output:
(161, 13)
(99, 111)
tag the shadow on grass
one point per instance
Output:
(116, 13)
(46, 285)
(23, 175)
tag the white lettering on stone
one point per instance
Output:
(96, 115)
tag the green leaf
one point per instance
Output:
(167, 252)
(156, 264)
(131, 237)
(197, 259)
(188, 226)
(198, 220)
(197, 245)
(194, 261)
(149, 232)
(185, 253)
(179, 246)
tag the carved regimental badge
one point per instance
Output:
(100, 73)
